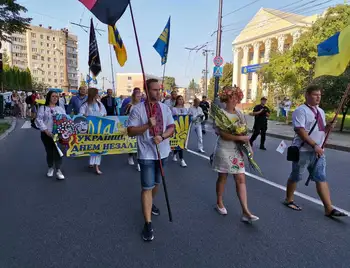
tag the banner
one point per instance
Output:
(85, 136)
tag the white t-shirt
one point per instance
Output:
(179, 111)
(303, 117)
(196, 113)
(146, 148)
(287, 105)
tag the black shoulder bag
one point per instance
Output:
(294, 151)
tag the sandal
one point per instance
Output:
(292, 205)
(336, 213)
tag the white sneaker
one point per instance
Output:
(59, 175)
(138, 168)
(201, 150)
(183, 163)
(131, 161)
(50, 172)
(249, 219)
(221, 211)
(175, 158)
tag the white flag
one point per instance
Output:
(281, 147)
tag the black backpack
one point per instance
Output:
(29, 100)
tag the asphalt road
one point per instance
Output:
(96, 221)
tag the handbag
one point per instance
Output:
(293, 152)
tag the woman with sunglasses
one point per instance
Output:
(44, 121)
(94, 107)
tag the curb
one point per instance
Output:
(12, 127)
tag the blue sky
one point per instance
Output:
(192, 23)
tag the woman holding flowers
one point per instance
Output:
(232, 143)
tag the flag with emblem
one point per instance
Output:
(162, 43)
(116, 41)
(94, 56)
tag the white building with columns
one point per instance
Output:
(269, 30)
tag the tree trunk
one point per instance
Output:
(345, 111)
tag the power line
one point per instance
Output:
(238, 9)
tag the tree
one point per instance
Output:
(5, 57)
(193, 87)
(225, 80)
(169, 83)
(83, 83)
(11, 20)
(289, 73)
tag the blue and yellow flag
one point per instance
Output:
(162, 43)
(333, 54)
(116, 41)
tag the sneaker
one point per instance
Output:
(131, 161)
(201, 150)
(147, 232)
(138, 168)
(183, 163)
(50, 172)
(59, 175)
(262, 148)
(221, 211)
(175, 158)
(155, 210)
(249, 219)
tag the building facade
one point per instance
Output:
(269, 30)
(126, 82)
(51, 55)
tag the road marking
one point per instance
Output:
(278, 186)
(27, 124)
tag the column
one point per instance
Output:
(296, 36)
(281, 40)
(236, 66)
(267, 50)
(244, 77)
(256, 55)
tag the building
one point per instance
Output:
(51, 55)
(269, 30)
(126, 82)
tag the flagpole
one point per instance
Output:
(149, 106)
(112, 70)
(163, 77)
(340, 107)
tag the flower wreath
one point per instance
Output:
(227, 91)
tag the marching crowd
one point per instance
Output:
(151, 122)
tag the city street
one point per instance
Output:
(96, 221)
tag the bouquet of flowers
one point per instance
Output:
(235, 128)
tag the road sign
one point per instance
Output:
(251, 68)
(218, 61)
(217, 71)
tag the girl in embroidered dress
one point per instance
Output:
(228, 159)
(94, 107)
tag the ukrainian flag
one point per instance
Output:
(162, 43)
(333, 54)
(116, 41)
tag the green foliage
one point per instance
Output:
(193, 86)
(225, 80)
(5, 58)
(11, 20)
(169, 83)
(14, 78)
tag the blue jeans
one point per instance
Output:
(307, 161)
(150, 173)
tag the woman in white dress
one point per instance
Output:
(135, 99)
(179, 109)
(228, 159)
(94, 107)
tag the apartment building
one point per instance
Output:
(126, 82)
(51, 55)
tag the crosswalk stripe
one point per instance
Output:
(26, 124)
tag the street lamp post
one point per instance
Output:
(218, 45)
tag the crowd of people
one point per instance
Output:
(151, 122)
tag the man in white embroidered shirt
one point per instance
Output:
(151, 131)
(307, 117)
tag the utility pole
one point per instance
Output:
(205, 72)
(218, 45)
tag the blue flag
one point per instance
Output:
(162, 43)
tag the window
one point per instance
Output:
(34, 57)
(48, 38)
(54, 52)
(41, 36)
(54, 38)
(47, 44)
(41, 43)
(34, 50)
(43, 79)
(251, 55)
(33, 35)
(55, 80)
(42, 65)
(48, 59)
(43, 72)
(48, 52)
(55, 73)
(49, 66)
(42, 58)
(61, 74)
(33, 42)
(54, 46)
(54, 59)
(49, 79)
(42, 51)
(35, 71)
(55, 66)
(49, 73)
(129, 78)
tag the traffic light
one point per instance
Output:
(1, 65)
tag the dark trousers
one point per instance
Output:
(259, 130)
(180, 152)
(52, 156)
